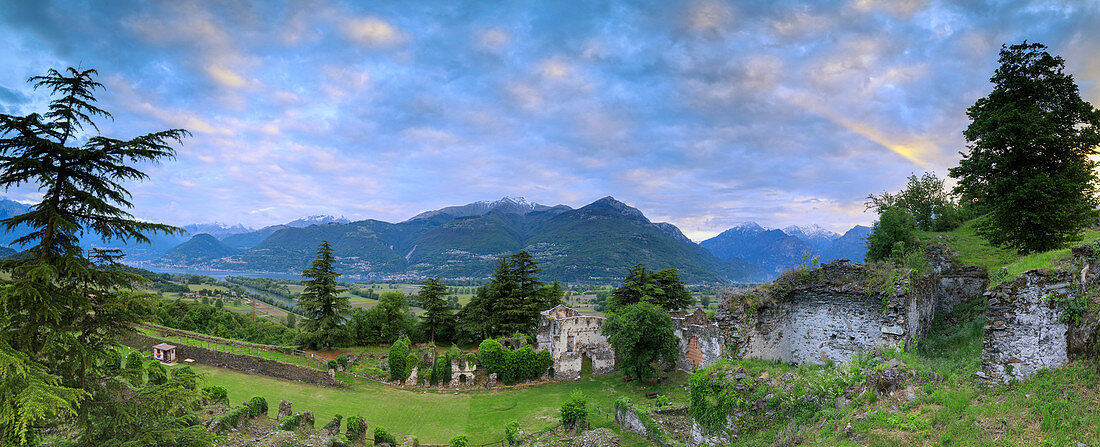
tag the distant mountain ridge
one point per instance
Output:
(775, 250)
(599, 241)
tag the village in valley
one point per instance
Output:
(958, 306)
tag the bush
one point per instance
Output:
(291, 422)
(510, 432)
(411, 362)
(513, 366)
(157, 374)
(232, 418)
(216, 394)
(342, 361)
(892, 235)
(574, 414)
(383, 436)
(459, 441)
(257, 406)
(399, 352)
(113, 361)
(135, 366)
(354, 424)
(184, 376)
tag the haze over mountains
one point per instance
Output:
(597, 242)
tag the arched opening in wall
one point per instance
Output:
(461, 378)
(550, 372)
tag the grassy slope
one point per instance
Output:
(435, 416)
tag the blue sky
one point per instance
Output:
(699, 113)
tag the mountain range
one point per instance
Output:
(777, 250)
(597, 242)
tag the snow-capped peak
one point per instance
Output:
(319, 219)
(812, 231)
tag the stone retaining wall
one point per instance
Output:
(238, 362)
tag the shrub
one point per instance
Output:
(232, 418)
(113, 361)
(459, 441)
(381, 435)
(399, 352)
(574, 414)
(291, 422)
(411, 362)
(510, 432)
(355, 424)
(342, 361)
(257, 406)
(184, 376)
(893, 234)
(332, 364)
(135, 366)
(513, 366)
(157, 374)
(216, 394)
(662, 401)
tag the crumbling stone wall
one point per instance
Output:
(463, 372)
(700, 340)
(238, 362)
(570, 336)
(830, 314)
(1026, 329)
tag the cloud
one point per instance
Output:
(372, 32)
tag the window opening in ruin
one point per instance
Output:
(462, 378)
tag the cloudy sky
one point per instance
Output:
(699, 113)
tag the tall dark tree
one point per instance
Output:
(510, 303)
(63, 308)
(662, 288)
(323, 308)
(1028, 167)
(437, 317)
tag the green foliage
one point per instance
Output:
(342, 361)
(292, 422)
(1028, 167)
(1074, 306)
(574, 412)
(926, 199)
(157, 374)
(135, 366)
(232, 418)
(185, 377)
(216, 394)
(511, 431)
(662, 401)
(398, 354)
(411, 361)
(641, 334)
(355, 424)
(384, 322)
(513, 366)
(321, 304)
(510, 303)
(437, 317)
(662, 288)
(206, 319)
(441, 369)
(459, 441)
(257, 406)
(382, 436)
(892, 235)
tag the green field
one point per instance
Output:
(435, 416)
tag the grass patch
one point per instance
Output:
(434, 416)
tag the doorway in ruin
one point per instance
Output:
(586, 364)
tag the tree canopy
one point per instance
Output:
(641, 334)
(64, 308)
(1027, 168)
(662, 288)
(321, 303)
(437, 317)
(510, 303)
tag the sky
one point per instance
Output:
(699, 113)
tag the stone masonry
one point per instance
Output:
(570, 337)
(700, 340)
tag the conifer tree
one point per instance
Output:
(63, 308)
(437, 318)
(323, 308)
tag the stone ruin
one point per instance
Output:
(836, 311)
(571, 337)
(700, 341)
(463, 372)
(1027, 326)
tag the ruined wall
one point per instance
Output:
(828, 314)
(238, 362)
(958, 285)
(463, 372)
(1026, 325)
(569, 337)
(700, 341)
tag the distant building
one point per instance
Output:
(165, 353)
(571, 337)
